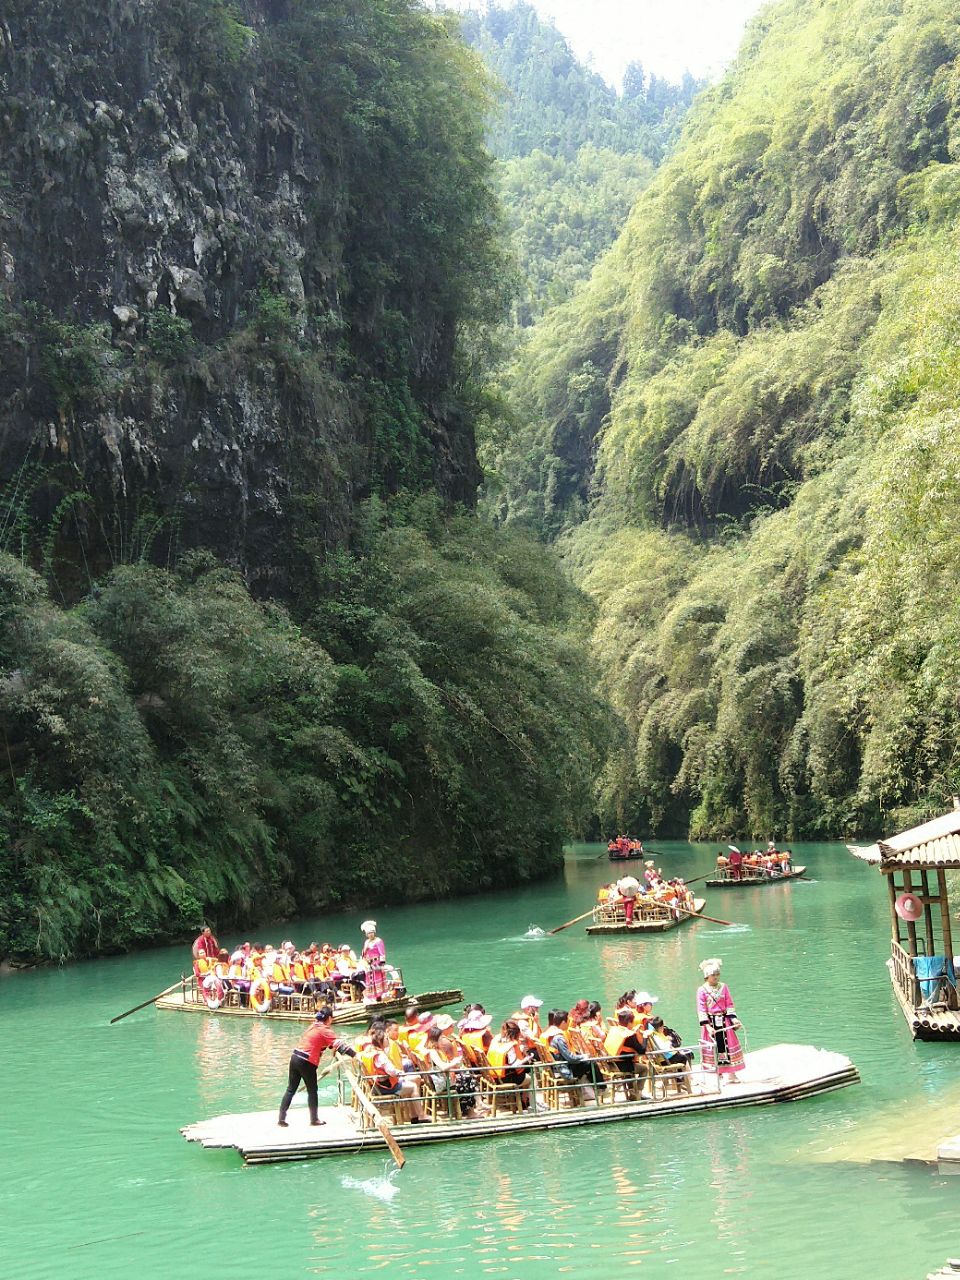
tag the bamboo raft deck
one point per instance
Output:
(780, 1073)
(728, 882)
(648, 920)
(353, 1011)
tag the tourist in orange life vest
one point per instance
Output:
(410, 1026)
(509, 1060)
(475, 1034)
(528, 1018)
(643, 1004)
(306, 1058)
(381, 1063)
(627, 1046)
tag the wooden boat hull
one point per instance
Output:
(343, 1014)
(647, 926)
(781, 1073)
(926, 1024)
(749, 882)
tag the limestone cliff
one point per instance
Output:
(238, 246)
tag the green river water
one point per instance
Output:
(99, 1183)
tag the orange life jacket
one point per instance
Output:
(613, 1041)
(474, 1040)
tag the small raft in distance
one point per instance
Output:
(301, 1008)
(652, 918)
(728, 882)
(781, 1073)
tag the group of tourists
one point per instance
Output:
(624, 847)
(734, 865)
(654, 890)
(582, 1050)
(259, 972)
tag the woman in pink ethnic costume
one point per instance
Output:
(375, 954)
(720, 1048)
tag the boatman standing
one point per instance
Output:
(306, 1058)
(628, 888)
(206, 945)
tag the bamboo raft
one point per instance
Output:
(302, 1008)
(647, 919)
(781, 1073)
(728, 882)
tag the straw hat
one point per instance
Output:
(444, 1022)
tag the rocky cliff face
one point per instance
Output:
(211, 321)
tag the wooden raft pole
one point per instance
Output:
(153, 999)
(698, 915)
(386, 1132)
(561, 927)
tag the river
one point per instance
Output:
(98, 1179)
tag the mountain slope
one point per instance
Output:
(768, 359)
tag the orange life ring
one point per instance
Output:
(213, 992)
(261, 999)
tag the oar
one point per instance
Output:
(698, 915)
(173, 986)
(697, 879)
(399, 1158)
(561, 927)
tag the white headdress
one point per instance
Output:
(368, 924)
(707, 967)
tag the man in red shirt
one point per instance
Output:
(306, 1058)
(206, 945)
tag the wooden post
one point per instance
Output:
(945, 914)
(927, 913)
(911, 924)
(895, 919)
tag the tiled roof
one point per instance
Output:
(933, 844)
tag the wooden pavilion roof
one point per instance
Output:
(933, 844)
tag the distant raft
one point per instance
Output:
(728, 881)
(781, 1073)
(648, 917)
(299, 1008)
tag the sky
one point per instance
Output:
(667, 36)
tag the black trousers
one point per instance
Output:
(301, 1071)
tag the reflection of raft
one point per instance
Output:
(303, 1008)
(728, 882)
(781, 1073)
(646, 919)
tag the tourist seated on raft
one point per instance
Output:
(666, 1046)
(383, 1069)
(509, 1059)
(627, 1046)
(444, 1059)
(568, 1065)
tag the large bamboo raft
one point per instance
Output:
(302, 1008)
(781, 1073)
(728, 882)
(646, 919)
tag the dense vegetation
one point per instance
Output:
(243, 671)
(768, 358)
(574, 153)
(173, 747)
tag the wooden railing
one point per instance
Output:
(904, 975)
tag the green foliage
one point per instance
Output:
(174, 748)
(767, 362)
(169, 338)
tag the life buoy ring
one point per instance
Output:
(261, 1000)
(213, 992)
(908, 906)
